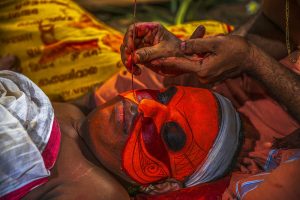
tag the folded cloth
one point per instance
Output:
(29, 136)
(276, 158)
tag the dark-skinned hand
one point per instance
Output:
(223, 57)
(151, 42)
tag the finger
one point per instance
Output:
(123, 54)
(251, 165)
(199, 46)
(149, 37)
(244, 169)
(147, 54)
(173, 65)
(143, 28)
(199, 32)
(126, 59)
(134, 31)
(128, 38)
(145, 33)
(136, 70)
(132, 67)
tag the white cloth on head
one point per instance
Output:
(26, 118)
(221, 155)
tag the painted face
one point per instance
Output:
(157, 134)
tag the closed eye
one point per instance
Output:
(173, 136)
(166, 96)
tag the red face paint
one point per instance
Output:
(147, 158)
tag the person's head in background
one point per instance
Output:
(177, 137)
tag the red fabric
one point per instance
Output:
(49, 156)
(21, 192)
(209, 191)
(146, 158)
(51, 150)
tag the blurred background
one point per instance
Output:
(118, 13)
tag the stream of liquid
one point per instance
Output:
(132, 54)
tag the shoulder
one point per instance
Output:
(91, 184)
(69, 117)
(67, 110)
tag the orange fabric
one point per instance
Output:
(146, 158)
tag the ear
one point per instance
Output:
(168, 185)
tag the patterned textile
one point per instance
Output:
(28, 134)
(274, 160)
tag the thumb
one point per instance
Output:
(199, 32)
(198, 46)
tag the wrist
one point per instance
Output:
(250, 62)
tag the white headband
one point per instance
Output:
(224, 148)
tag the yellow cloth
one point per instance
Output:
(61, 47)
(212, 28)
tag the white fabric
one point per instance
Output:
(224, 148)
(26, 118)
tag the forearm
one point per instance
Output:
(280, 82)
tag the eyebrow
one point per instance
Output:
(166, 96)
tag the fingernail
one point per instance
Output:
(136, 70)
(126, 49)
(183, 46)
(136, 58)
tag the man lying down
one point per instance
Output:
(178, 137)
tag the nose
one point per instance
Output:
(153, 109)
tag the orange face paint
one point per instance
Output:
(147, 156)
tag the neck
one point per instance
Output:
(81, 130)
